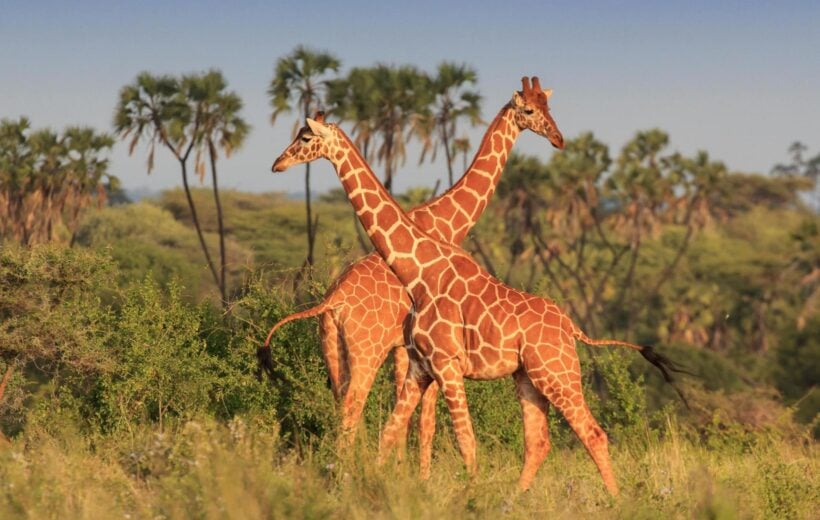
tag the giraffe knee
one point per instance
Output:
(596, 436)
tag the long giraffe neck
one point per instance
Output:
(452, 215)
(394, 236)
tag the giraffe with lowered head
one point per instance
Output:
(463, 321)
(363, 311)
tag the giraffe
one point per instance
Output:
(363, 310)
(464, 322)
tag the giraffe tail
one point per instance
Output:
(263, 354)
(663, 363)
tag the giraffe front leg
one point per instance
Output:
(451, 381)
(401, 362)
(534, 413)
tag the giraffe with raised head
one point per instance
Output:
(463, 321)
(363, 310)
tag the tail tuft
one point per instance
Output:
(264, 362)
(667, 367)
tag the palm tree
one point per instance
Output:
(157, 109)
(462, 146)
(222, 128)
(299, 81)
(354, 98)
(16, 171)
(88, 180)
(402, 97)
(452, 102)
(46, 175)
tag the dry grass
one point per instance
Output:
(206, 470)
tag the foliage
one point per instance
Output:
(183, 114)
(387, 106)
(51, 320)
(163, 370)
(267, 225)
(47, 179)
(452, 102)
(144, 239)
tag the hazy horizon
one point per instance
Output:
(738, 80)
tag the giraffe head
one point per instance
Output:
(533, 112)
(311, 143)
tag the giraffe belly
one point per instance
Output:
(491, 362)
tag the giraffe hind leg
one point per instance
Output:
(362, 375)
(415, 384)
(427, 429)
(334, 352)
(534, 412)
(561, 384)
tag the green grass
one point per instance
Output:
(202, 469)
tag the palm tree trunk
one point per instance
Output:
(311, 231)
(195, 218)
(221, 227)
(5, 381)
(3, 384)
(445, 139)
(388, 163)
(309, 218)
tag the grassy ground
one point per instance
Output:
(206, 470)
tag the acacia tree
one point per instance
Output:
(222, 128)
(588, 222)
(167, 112)
(452, 102)
(300, 81)
(800, 167)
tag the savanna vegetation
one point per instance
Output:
(128, 330)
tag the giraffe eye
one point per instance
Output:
(529, 111)
(306, 138)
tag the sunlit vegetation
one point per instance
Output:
(128, 330)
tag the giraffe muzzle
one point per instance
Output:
(279, 166)
(556, 139)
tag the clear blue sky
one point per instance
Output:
(738, 79)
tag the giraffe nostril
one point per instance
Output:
(556, 139)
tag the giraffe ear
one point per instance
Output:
(548, 92)
(517, 99)
(319, 129)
